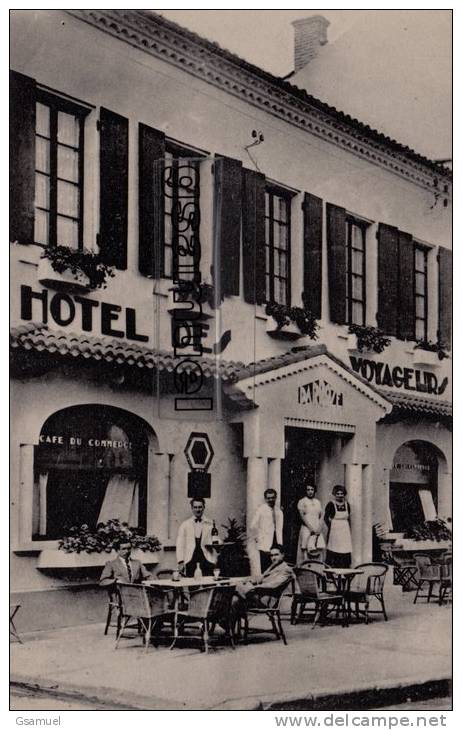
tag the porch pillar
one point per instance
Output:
(368, 485)
(444, 494)
(157, 517)
(274, 476)
(353, 483)
(257, 476)
(26, 487)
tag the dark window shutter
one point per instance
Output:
(228, 204)
(388, 292)
(22, 158)
(406, 303)
(253, 236)
(151, 149)
(113, 188)
(336, 260)
(444, 296)
(312, 254)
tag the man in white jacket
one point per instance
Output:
(191, 544)
(267, 526)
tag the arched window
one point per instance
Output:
(413, 485)
(89, 466)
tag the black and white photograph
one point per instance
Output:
(231, 360)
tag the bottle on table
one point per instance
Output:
(214, 533)
(198, 571)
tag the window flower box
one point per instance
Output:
(424, 358)
(64, 281)
(286, 332)
(61, 560)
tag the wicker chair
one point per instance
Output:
(427, 572)
(206, 608)
(446, 578)
(146, 606)
(264, 602)
(369, 584)
(311, 590)
(114, 610)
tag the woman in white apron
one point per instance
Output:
(337, 519)
(310, 541)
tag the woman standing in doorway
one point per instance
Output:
(337, 519)
(310, 540)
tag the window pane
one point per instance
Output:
(68, 129)
(67, 232)
(267, 288)
(280, 211)
(41, 227)
(420, 307)
(68, 199)
(419, 259)
(42, 120)
(267, 259)
(283, 231)
(68, 164)
(357, 310)
(267, 204)
(282, 291)
(420, 329)
(420, 283)
(357, 262)
(42, 190)
(42, 155)
(357, 237)
(357, 286)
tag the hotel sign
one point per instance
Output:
(319, 393)
(380, 373)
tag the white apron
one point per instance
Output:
(340, 534)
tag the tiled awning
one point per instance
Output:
(40, 338)
(407, 404)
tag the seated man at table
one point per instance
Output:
(123, 569)
(275, 576)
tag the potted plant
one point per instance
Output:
(83, 547)
(369, 339)
(69, 269)
(290, 323)
(233, 559)
(429, 353)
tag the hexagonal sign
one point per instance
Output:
(199, 452)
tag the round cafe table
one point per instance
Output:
(342, 578)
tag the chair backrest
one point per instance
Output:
(426, 568)
(371, 580)
(134, 599)
(317, 566)
(220, 601)
(200, 601)
(309, 581)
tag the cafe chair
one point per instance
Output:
(311, 589)
(427, 572)
(14, 608)
(114, 611)
(365, 586)
(264, 602)
(446, 579)
(146, 607)
(206, 608)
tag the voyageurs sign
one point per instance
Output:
(380, 373)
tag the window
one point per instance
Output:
(277, 246)
(59, 136)
(421, 292)
(356, 271)
(182, 210)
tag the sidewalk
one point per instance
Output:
(412, 648)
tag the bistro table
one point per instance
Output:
(342, 578)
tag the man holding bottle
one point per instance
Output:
(193, 543)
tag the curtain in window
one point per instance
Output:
(118, 503)
(428, 504)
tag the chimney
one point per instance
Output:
(310, 35)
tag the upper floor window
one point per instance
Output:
(421, 292)
(277, 246)
(182, 210)
(59, 142)
(355, 271)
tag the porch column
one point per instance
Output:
(257, 475)
(274, 476)
(26, 487)
(353, 483)
(368, 485)
(158, 495)
(444, 494)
